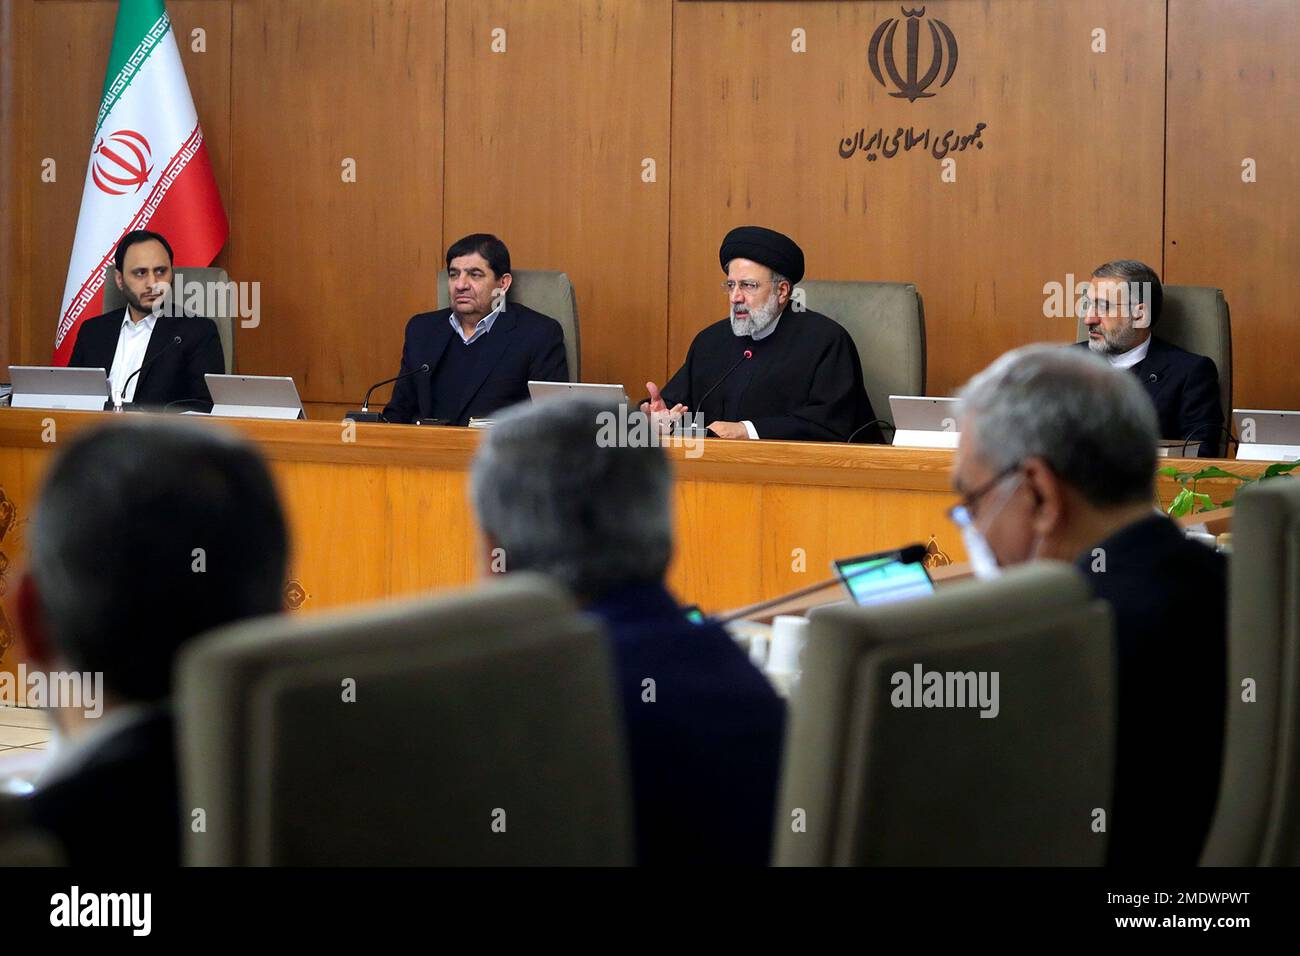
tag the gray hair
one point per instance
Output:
(560, 499)
(1091, 422)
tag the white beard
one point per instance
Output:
(757, 320)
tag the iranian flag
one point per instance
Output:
(149, 166)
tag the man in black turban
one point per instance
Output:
(769, 370)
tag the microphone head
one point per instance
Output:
(748, 354)
(912, 554)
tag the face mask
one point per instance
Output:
(982, 560)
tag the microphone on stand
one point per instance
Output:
(699, 406)
(366, 415)
(118, 396)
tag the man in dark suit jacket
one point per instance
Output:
(481, 352)
(123, 341)
(111, 594)
(1121, 312)
(1057, 460)
(704, 727)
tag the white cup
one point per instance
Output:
(789, 634)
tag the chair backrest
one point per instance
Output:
(1257, 818)
(547, 292)
(887, 323)
(221, 299)
(478, 727)
(1196, 318)
(869, 780)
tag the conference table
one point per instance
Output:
(382, 510)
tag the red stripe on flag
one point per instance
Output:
(185, 207)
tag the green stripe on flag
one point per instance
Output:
(141, 24)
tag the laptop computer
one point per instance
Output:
(612, 395)
(55, 387)
(885, 576)
(254, 396)
(1266, 435)
(923, 421)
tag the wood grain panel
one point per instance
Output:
(342, 265)
(434, 543)
(718, 552)
(1234, 80)
(75, 37)
(1069, 176)
(544, 148)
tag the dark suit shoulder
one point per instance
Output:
(1176, 355)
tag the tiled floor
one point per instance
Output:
(22, 732)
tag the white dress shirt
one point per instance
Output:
(1133, 356)
(132, 341)
(483, 328)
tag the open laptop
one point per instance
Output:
(1266, 435)
(254, 396)
(922, 421)
(612, 395)
(897, 575)
(55, 387)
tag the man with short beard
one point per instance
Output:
(1121, 312)
(769, 371)
(143, 337)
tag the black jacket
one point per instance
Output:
(705, 756)
(178, 373)
(523, 346)
(803, 382)
(1185, 389)
(121, 806)
(1169, 596)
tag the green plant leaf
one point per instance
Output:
(1272, 471)
(1169, 471)
(1214, 471)
(1182, 504)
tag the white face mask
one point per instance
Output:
(983, 562)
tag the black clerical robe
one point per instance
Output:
(802, 383)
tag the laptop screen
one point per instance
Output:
(880, 578)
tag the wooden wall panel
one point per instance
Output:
(1070, 172)
(342, 265)
(1234, 82)
(545, 144)
(71, 40)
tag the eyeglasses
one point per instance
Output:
(747, 286)
(962, 513)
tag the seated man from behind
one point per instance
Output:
(122, 342)
(145, 536)
(705, 747)
(1057, 460)
(482, 351)
(1121, 314)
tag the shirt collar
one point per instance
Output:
(484, 324)
(1133, 356)
(148, 322)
